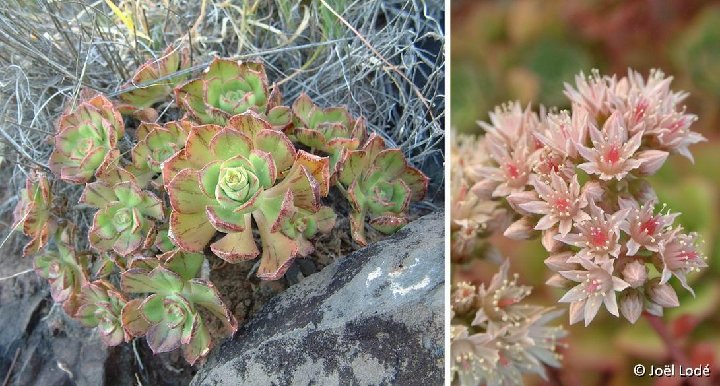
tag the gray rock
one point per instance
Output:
(44, 349)
(374, 317)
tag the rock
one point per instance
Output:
(373, 317)
(44, 348)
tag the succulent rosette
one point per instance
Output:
(101, 305)
(33, 212)
(154, 90)
(156, 144)
(330, 130)
(124, 221)
(379, 182)
(303, 225)
(86, 139)
(64, 269)
(228, 87)
(169, 317)
(226, 176)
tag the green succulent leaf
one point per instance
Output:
(132, 319)
(199, 344)
(185, 264)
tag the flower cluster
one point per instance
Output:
(577, 178)
(239, 176)
(496, 337)
(473, 217)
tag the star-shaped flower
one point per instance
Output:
(612, 152)
(679, 256)
(598, 237)
(597, 286)
(645, 228)
(560, 203)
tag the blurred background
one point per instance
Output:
(524, 50)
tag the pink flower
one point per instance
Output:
(561, 203)
(514, 167)
(679, 256)
(510, 122)
(500, 302)
(597, 286)
(473, 356)
(591, 94)
(562, 132)
(598, 236)
(673, 133)
(548, 162)
(642, 103)
(612, 152)
(645, 228)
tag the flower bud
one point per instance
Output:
(558, 262)
(651, 160)
(662, 294)
(642, 191)
(463, 298)
(635, 273)
(484, 188)
(520, 229)
(631, 305)
(516, 199)
(557, 281)
(549, 242)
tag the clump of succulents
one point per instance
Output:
(496, 336)
(228, 179)
(577, 179)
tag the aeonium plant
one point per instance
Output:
(101, 305)
(226, 179)
(124, 221)
(156, 144)
(153, 80)
(169, 317)
(227, 175)
(86, 140)
(379, 182)
(228, 87)
(65, 270)
(331, 130)
(33, 212)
